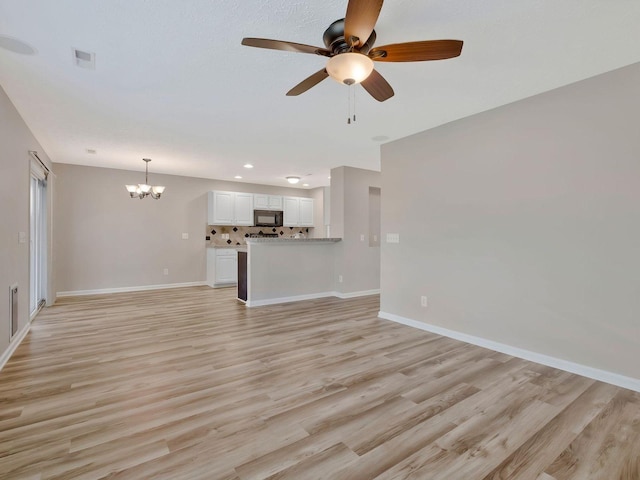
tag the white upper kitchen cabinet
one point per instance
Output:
(267, 202)
(306, 212)
(243, 209)
(291, 211)
(298, 212)
(230, 208)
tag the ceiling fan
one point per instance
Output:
(349, 47)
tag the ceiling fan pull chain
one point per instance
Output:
(351, 101)
(354, 105)
(349, 105)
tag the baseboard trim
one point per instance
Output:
(13, 344)
(362, 293)
(296, 298)
(577, 368)
(310, 296)
(129, 289)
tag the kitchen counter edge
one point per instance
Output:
(293, 240)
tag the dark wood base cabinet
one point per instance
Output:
(242, 276)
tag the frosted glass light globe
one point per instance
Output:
(349, 68)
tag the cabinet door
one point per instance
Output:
(306, 212)
(275, 202)
(291, 211)
(243, 209)
(261, 202)
(226, 269)
(222, 205)
(211, 267)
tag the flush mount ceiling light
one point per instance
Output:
(293, 180)
(16, 46)
(141, 190)
(248, 165)
(237, 177)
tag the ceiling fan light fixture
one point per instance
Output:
(293, 180)
(349, 68)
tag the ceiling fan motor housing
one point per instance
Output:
(334, 40)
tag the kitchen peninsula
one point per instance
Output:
(278, 270)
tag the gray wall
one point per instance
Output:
(15, 142)
(356, 261)
(276, 270)
(522, 224)
(104, 239)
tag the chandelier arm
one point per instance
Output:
(136, 191)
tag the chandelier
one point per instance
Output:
(141, 190)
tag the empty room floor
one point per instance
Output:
(189, 384)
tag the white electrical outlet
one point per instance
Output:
(165, 271)
(340, 278)
(185, 236)
(423, 301)
(361, 237)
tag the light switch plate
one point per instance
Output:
(185, 236)
(22, 237)
(393, 238)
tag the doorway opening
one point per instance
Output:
(37, 236)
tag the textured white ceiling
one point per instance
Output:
(173, 83)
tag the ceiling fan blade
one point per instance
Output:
(285, 46)
(308, 82)
(417, 51)
(377, 87)
(360, 19)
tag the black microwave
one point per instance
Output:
(267, 218)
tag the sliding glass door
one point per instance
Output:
(38, 240)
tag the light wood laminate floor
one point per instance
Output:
(188, 384)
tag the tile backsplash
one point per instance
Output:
(237, 235)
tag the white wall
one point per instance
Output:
(104, 239)
(318, 212)
(356, 260)
(15, 142)
(522, 224)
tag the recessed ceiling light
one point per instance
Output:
(293, 180)
(238, 177)
(91, 151)
(248, 165)
(305, 184)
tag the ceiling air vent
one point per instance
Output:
(84, 59)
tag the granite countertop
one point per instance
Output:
(228, 247)
(293, 240)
